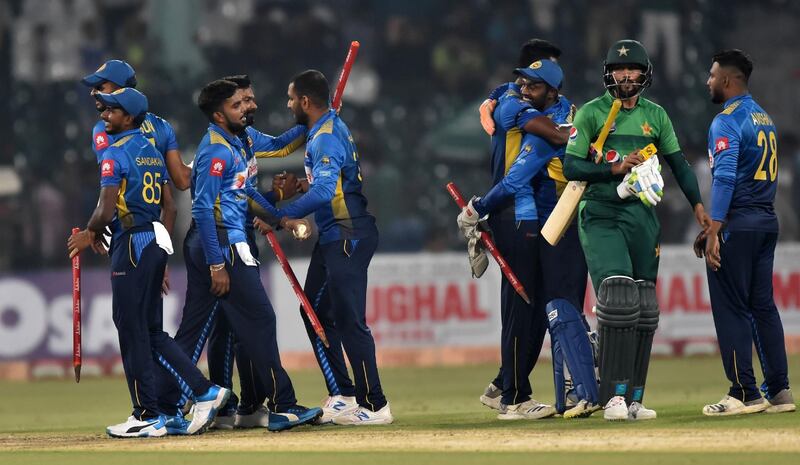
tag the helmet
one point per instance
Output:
(627, 52)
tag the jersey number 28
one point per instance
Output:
(772, 148)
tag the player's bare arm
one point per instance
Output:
(92, 236)
(179, 172)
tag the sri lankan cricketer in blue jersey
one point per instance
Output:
(136, 201)
(740, 245)
(116, 74)
(222, 268)
(336, 283)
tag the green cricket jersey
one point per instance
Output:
(633, 129)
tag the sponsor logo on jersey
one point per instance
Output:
(612, 156)
(325, 160)
(217, 167)
(107, 168)
(252, 168)
(721, 144)
(100, 141)
(573, 133)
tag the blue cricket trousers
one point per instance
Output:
(745, 313)
(137, 270)
(336, 286)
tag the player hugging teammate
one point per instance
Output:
(139, 160)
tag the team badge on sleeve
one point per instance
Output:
(217, 167)
(573, 133)
(721, 144)
(107, 168)
(100, 141)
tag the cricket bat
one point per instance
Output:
(564, 211)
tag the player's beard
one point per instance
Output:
(235, 126)
(716, 96)
(300, 117)
(627, 89)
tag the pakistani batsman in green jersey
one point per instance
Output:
(620, 236)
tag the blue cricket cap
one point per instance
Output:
(127, 98)
(543, 70)
(116, 71)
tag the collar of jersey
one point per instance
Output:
(233, 140)
(730, 101)
(129, 132)
(331, 113)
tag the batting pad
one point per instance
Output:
(572, 352)
(617, 317)
(645, 331)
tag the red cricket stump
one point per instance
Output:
(348, 65)
(489, 244)
(76, 313)
(298, 290)
(273, 241)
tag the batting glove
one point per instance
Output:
(468, 221)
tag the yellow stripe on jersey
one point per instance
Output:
(729, 109)
(218, 212)
(339, 206)
(555, 170)
(216, 138)
(285, 151)
(121, 141)
(513, 144)
(123, 214)
(326, 128)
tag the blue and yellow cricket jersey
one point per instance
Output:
(219, 192)
(510, 117)
(260, 145)
(334, 176)
(743, 155)
(133, 164)
(549, 182)
(156, 129)
(533, 175)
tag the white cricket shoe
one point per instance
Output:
(616, 409)
(730, 406)
(637, 411)
(364, 417)
(257, 419)
(782, 402)
(583, 409)
(333, 406)
(491, 396)
(529, 410)
(133, 428)
(206, 408)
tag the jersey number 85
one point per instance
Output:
(151, 187)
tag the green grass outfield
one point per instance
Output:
(438, 419)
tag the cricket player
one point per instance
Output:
(136, 200)
(514, 219)
(116, 74)
(222, 273)
(553, 280)
(618, 227)
(249, 411)
(740, 244)
(336, 283)
(539, 124)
